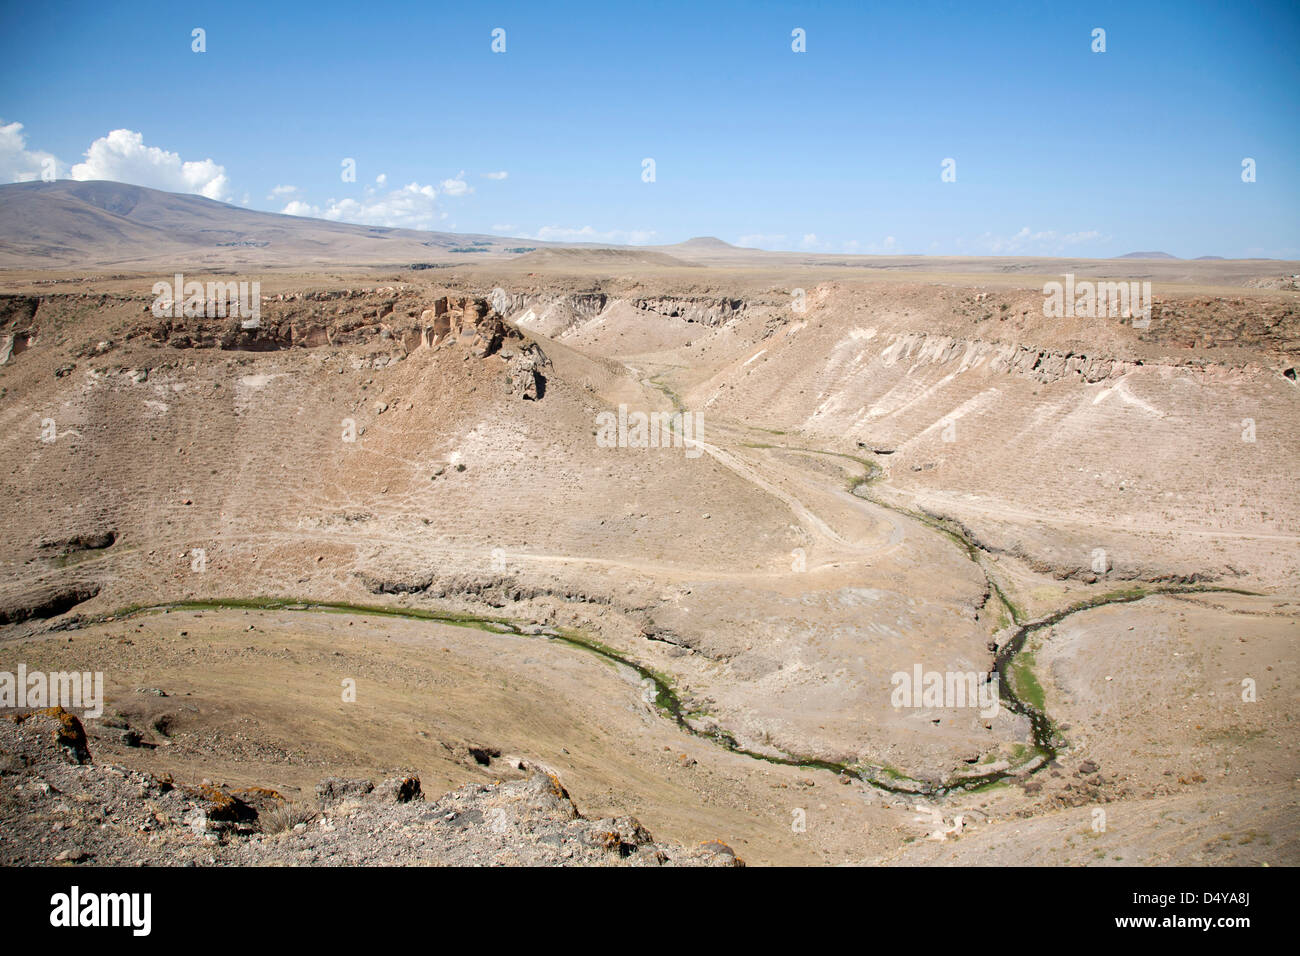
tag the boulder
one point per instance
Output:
(398, 789)
(336, 790)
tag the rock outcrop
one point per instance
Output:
(710, 312)
(526, 372)
(386, 319)
(58, 806)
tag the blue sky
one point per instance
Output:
(1058, 150)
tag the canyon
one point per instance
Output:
(396, 479)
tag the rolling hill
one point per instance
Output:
(115, 225)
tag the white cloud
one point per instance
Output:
(456, 186)
(761, 240)
(814, 243)
(1027, 242)
(121, 156)
(779, 241)
(501, 175)
(632, 237)
(411, 207)
(507, 228)
(889, 246)
(17, 163)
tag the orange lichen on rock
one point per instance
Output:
(70, 735)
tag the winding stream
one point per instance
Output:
(1046, 738)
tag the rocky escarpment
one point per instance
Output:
(467, 321)
(579, 305)
(17, 324)
(17, 311)
(333, 317)
(46, 600)
(1040, 364)
(710, 312)
(58, 806)
(556, 314)
(1215, 321)
(399, 321)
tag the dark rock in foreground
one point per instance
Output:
(57, 806)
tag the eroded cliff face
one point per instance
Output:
(340, 317)
(706, 311)
(555, 314)
(17, 324)
(1041, 364)
(384, 318)
(974, 333)
(465, 321)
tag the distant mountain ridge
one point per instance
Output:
(101, 225)
(97, 224)
(706, 242)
